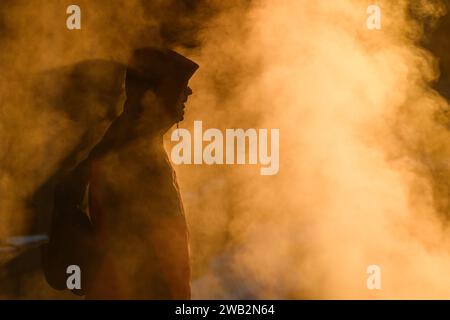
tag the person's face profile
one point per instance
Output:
(160, 105)
(172, 101)
(181, 103)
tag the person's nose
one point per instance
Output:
(188, 91)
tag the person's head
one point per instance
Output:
(156, 86)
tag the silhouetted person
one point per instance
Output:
(118, 214)
(89, 95)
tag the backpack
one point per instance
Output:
(71, 236)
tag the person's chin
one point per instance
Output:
(181, 116)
